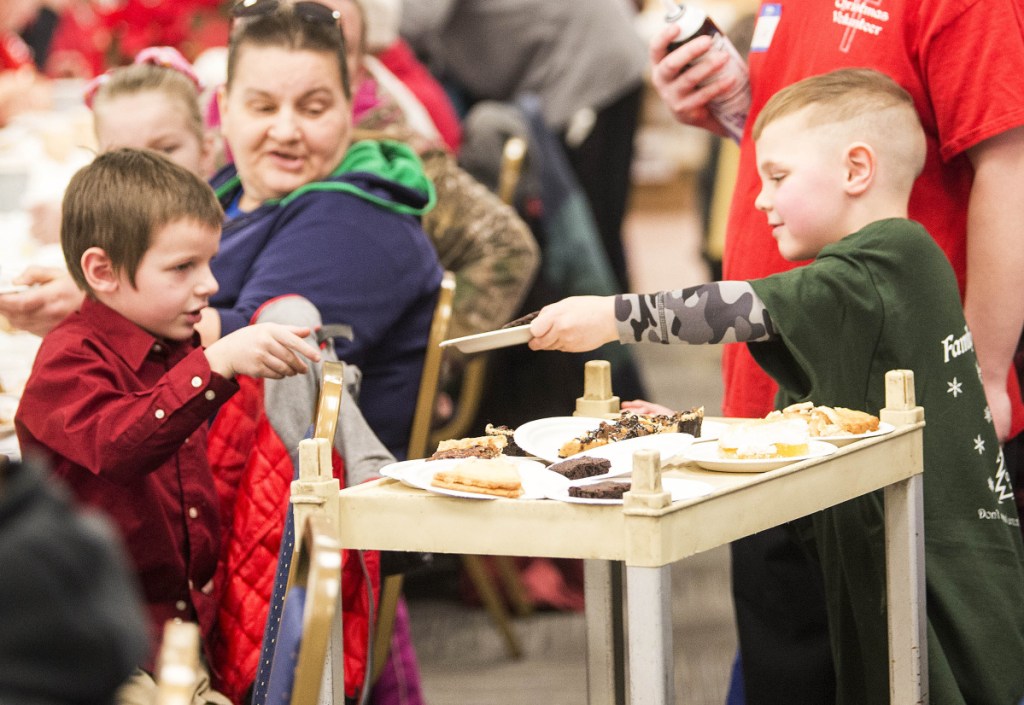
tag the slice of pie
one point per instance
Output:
(495, 476)
(478, 447)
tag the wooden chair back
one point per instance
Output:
(177, 664)
(419, 435)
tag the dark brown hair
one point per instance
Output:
(285, 28)
(121, 199)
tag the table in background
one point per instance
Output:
(49, 147)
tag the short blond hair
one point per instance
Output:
(142, 78)
(870, 106)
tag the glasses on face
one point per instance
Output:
(306, 10)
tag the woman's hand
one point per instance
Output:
(575, 324)
(52, 297)
(268, 350)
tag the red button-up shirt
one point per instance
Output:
(121, 416)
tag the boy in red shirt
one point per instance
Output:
(121, 391)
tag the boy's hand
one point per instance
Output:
(649, 408)
(576, 324)
(267, 350)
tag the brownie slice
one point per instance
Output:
(581, 467)
(521, 321)
(606, 489)
(511, 447)
(690, 421)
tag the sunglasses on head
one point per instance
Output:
(306, 10)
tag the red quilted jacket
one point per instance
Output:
(253, 472)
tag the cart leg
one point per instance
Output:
(649, 622)
(904, 551)
(606, 670)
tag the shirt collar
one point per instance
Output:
(129, 341)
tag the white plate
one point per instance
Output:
(710, 430)
(8, 405)
(543, 438)
(621, 452)
(490, 340)
(706, 456)
(537, 480)
(883, 428)
(679, 488)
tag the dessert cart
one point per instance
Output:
(640, 539)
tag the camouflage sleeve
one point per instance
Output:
(720, 312)
(484, 242)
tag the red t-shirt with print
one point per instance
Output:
(962, 62)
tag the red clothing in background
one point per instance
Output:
(121, 417)
(14, 53)
(963, 96)
(401, 61)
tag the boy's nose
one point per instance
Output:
(207, 285)
(762, 202)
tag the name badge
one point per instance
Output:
(767, 22)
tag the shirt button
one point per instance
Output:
(157, 348)
(197, 382)
(193, 512)
(180, 605)
(159, 413)
(210, 395)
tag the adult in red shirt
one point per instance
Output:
(961, 60)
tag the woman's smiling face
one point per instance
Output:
(286, 118)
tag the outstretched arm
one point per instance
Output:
(719, 312)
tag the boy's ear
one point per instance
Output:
(99, 271)
(860, 164)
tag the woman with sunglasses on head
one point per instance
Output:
(310, 213)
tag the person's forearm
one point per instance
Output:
(719, 312)
(994, 304)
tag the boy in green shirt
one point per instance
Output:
(838, 155)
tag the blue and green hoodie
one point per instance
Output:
(352, 244)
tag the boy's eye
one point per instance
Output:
(183, 267)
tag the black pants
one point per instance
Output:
(602, 163)
(781, 621)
